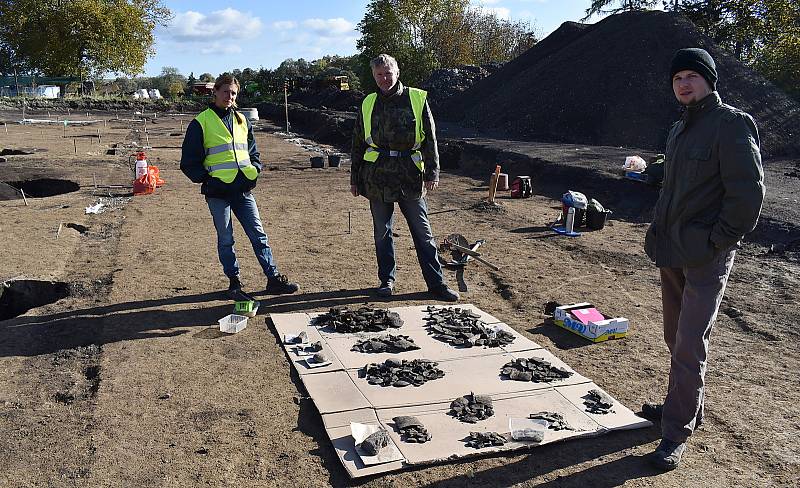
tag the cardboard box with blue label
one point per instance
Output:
(586, 321)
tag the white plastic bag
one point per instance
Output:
(634, 163)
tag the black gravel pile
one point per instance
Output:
(365, 319)
(472, 408)
(389, 343)
(533, 369)
(463, 328)
(479, 440)
(444, 83)
(608, 84)
(411, 430)
(598, 402)
(402, 373)
(329, 99)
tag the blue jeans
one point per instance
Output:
(416, 214)
(245, 209)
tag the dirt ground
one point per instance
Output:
(127, 381)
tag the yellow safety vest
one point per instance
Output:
(226, 153)
(417, 106)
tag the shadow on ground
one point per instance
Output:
(143, 319)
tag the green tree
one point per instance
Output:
(207, 77)
(78, 37)
(190, 81)
(176, 89)
(764, 34)
(125, 85)
(599, 6)
(170, 82)
(427, 34)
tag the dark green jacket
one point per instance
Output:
(713, 186)
(393, 178)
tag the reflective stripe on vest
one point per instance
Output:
(417, 106)
(225, 155)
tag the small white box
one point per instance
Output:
(231, 324)
(599, 331)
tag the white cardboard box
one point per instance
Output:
(598, 331)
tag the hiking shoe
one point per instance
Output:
(386, 289)
(235, 290)
(652, 411)
(235, 284)
(280, 285)
(444, 293)
(668, 454)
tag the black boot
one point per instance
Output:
(235, 291)
(235, 284)
(280, 285)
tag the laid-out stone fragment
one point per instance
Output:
(389, 343)
(479, 440)
(555, 421)
(365, 319)
(411, 429)
(376, 441)
(598, 402)
(472, 408)
(463, 328)
(300, 338)
(400, 373)
(534, 369)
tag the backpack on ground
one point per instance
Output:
(521, 187)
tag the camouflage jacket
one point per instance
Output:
(394, 178)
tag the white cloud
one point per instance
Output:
(220, 48)
(479, 3)
(499, 12)
(312, 38)
(334, 27)
(191, 26)
(284, 25)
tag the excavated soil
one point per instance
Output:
(126, 380)
(608, 84)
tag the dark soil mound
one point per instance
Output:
(329, 99)
(608, 84)
(445, 83)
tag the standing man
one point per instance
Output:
(395, 160)
(219, 151)
(711, 197)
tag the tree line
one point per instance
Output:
(256, 84)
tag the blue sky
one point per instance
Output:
(216, 36)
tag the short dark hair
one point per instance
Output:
(384, 60)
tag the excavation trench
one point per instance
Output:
(45, 187)
(19, 296)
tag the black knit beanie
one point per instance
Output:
(695, 59)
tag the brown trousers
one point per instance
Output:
(691, 299)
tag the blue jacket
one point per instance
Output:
(193, 153)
